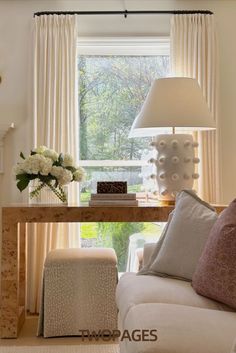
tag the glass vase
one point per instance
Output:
(41, 193)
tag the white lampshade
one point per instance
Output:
(173, 102)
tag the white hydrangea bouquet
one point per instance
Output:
(50, 169)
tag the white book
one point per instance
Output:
(113, 203)
(129, 196)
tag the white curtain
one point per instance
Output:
(55, 115)
(194, 54)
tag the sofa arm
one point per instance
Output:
(139, 259)
(147, 252)
(135, 263)
(142, 257)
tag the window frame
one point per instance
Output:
(123, 46)
(127, 46)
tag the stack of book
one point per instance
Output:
(122, 199)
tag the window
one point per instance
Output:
(114, 78)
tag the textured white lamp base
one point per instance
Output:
(175, 164)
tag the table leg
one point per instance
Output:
(22, 232)
(22, 272)
(10, 311)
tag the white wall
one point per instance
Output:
(15, 35)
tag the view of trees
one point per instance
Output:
(112, 90)
(116, 235)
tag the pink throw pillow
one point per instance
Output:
(215, 275)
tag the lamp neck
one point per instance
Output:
(173, 130)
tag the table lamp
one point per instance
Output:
(173, 106)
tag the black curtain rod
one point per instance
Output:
(125, 13)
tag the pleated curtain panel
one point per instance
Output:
(194, 53)
(56, 125)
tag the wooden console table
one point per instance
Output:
(14, 219)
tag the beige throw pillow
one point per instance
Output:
(185, 237)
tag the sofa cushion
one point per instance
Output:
(133, 290)
(215, 276)
(181, 329)
(145, 270)
(185, 237)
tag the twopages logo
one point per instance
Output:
(144, 335)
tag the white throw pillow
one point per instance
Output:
(185, 237)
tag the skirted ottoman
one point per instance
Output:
(78, 292)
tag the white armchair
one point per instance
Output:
(137, 243)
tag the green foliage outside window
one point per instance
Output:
(112, 90)
(116, 235)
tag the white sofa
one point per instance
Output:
(185, 321)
